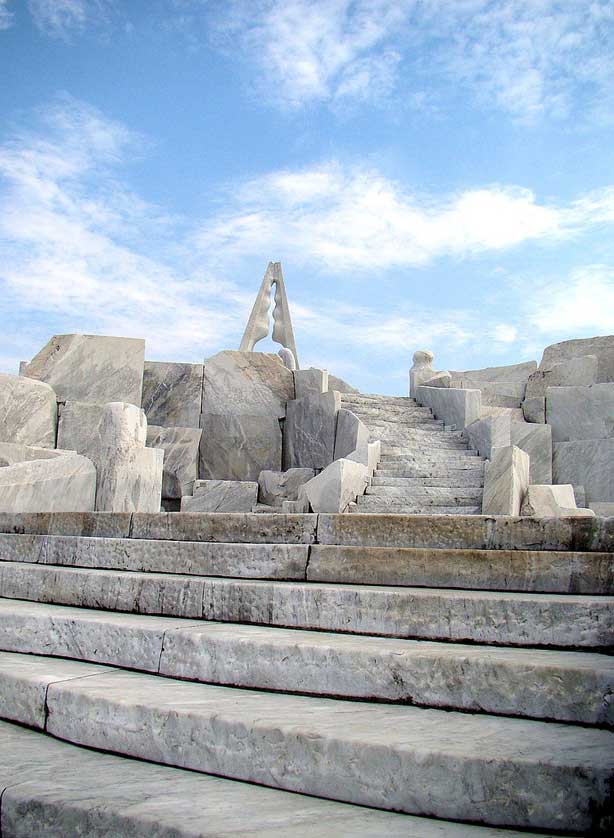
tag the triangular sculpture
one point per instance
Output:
(258, 323)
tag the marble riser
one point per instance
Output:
(436, 494)
(452, 479)
(374, 508)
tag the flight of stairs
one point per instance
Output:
(450, 675)
(424, 467)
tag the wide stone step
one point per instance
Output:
(373, 399)
(436, 471)
(431, 494)
(393, 413)
(388, 506)
(565, 686)
(501, 618)
(53, 789)
(460, 478)
(411, 457)
(399, 436)
(393, 757)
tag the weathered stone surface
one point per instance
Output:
(181, 448)
(28, 411)
(508, 394)
(275, 487)
(79, 427)
(47, 792)
(12, 453)
(421, 370)
(335, 383)
(575, 371)
(506, 480)
(221, 496)
(518, 373)
(336, 486)
(440, 379)
(588, 463)
(65, 483)
(129, 475)
(581, 412)
(95, 524)
(488, 433)
(534, 410)
(172, 394)
(241, 528)
(552, 502)
(91, 368)
(309, 433)
(287, 358)
(351, 434)
(246, 384)
(310, 382)
(239, 447)
(601, 347)
(605, 510)
(536, 441)
(457, 408)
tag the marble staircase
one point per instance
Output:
(454, 669)
(424, 467)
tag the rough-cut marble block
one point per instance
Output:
(172, 394)
(506, 480)
(351, 434)
(129, 475)
(221, 496)
(488, 433)
(28, 411)
(340, 385)
(575, 371)
(246, 384)
(181, 448)
(91, 368)
(239, 447)
(275, 487)
(309, 433)
(552, 502)
(581, 412)
(601, 347)
(534, 409)
(588, 463)
(12, 453)
(336, 486)
(536, 440)
(310, 382)
(514, 372)
(65, 483)
(78, 427)
(457, 407)
(440, 379)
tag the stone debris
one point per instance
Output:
(221, 496)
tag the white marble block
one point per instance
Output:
(91, 368)
(62, 483)
(181, 454)
(552, 502)
(421, 371)
(129, 474)
(602, 347)
(238, 447)
(310, 382)
(351, 434)
(457, 407)
(275, 487)
(506, 480)
(172, 394)
(588, 463)
(536, 440)
(221, 496)
(28, 411)
(309, 433)
(336, 486)
(581, 412)
(573, 372)
(78, 427)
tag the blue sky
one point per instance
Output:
(432, 174)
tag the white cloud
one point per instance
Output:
(356, 219)
(505, 333)
(582, 303)
(59, 18)
(6, 16)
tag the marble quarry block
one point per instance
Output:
(15, 452)
(275, 487)
(64, 483)
(28, 411)
(536, 440)
(181, 448)
(78, 427)
(246, 383)
(310, 382)
(575, 371)
(91, 368)
(506, 480)
(239, 447)
(588, 463)
(352, 434)
(581, 412)
(518, 373)
(552, 502)
(129, 474)
(488, 433)
(457, 407)
(172, 394)
(534, 409)
(309, 433)
(498, 393)
(221, 496)
(602, 347)
(336, 486)
(440, 379)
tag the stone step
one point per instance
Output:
(372, 399)
(53, 789)
(513, 570)
(524, 774)
(388, 506)
(435, 470)
(376, 425)
(393, 413)
(402, 444)
(501, 618)
(427, 494)
(460, 478)
(565, 686)
(406, 456)
(436, 432)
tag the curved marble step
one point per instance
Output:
(501, 618)
(565, 686)
(516, 773)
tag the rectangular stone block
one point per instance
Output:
(534, 409)
(65, 483)
(351, 434)
(488, 433)
(309, 432)
(79, 427)
(336, 486)
(172, 394)
(181, 448)
(221, 496)
(536, 440)
(506, 480)
(511, 373)
(28, 412)
(241, 528)
(239, 446)
(552, 502)
(310, 382)
(588, 463)
(458, 408)
(581, 412)
(246, 384)
(575, 371)
(602, 347)
(275, 487)
(91, 368)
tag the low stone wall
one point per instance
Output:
(457, 407)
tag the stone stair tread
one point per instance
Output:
(54, 789)
(407, 509)
(497, 617)
(451, 482)
(423, 492)
(567, 686)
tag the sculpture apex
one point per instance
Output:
(258, 324)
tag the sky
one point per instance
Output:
(431, 174)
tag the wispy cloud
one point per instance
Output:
(60, 18)
(582, 302)
(6, 16)
(355, 218)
